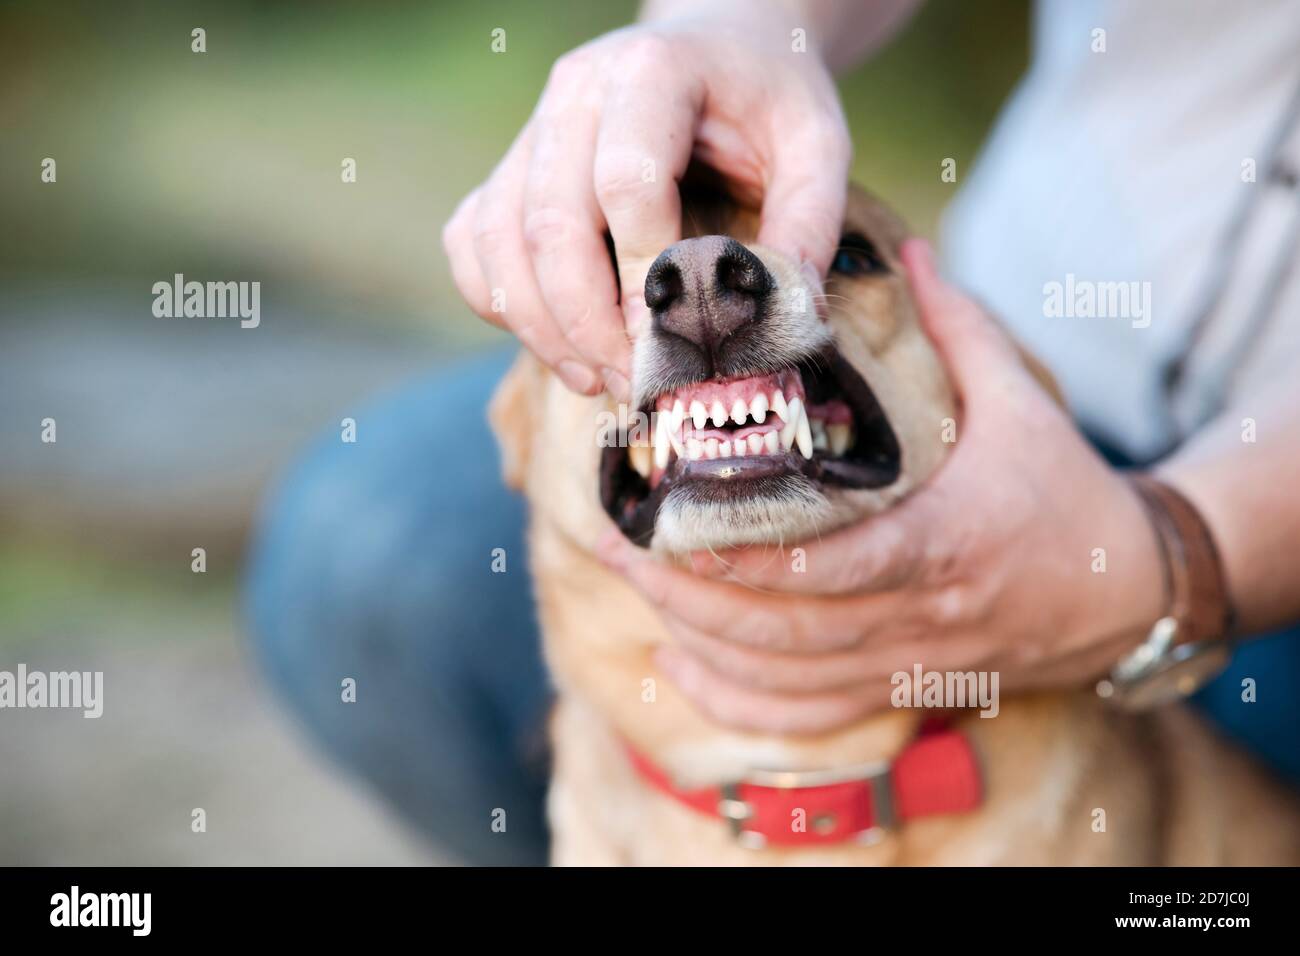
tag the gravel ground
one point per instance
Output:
(167, 436)
(185, 726)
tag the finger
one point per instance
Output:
(1073, 669)
(642, 149)
(803, 208)
(796, 625)
(797, 673)
(507, 269)
(564, 230)
(761, 712)
(458, 244)
(977, 353)
(883, 553)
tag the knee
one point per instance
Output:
(371, 559)
(302, 577)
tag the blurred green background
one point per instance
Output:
(225, 165)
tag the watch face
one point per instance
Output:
(1183, 672)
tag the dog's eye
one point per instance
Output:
(857, 256)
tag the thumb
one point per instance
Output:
(978, 355)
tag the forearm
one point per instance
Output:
(1249, 493)
(844, 32)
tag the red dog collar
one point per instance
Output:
(936, 774)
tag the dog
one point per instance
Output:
(771, 425)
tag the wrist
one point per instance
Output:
(771, 21)
(1191, 642)
(1135, 571)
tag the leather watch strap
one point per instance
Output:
(1195, 584)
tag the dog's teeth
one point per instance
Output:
(694, 449)
(803, 434)
(640, 457)
(839, 438)
(819, 434)
(663, 443)
(698, 414)
(711, 448)
(756, 444)
(724, 449)
(779, 406)
(770, 442)
(758, 408)
(718, 414)
(793, 413)
(739, 449)
(739, 411)
(679, 416)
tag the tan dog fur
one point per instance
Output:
(1172, 792)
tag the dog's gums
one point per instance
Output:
(725, 419)
(781, 437)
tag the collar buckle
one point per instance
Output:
(736, 811)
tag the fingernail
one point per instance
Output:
(577, 377)
(812, 276)
(815, 288)
(616, 384)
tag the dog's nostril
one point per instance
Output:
(703, 292)
(663, 284)
(739, 270)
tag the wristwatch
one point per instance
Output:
(1192, 643)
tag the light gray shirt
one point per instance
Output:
(1136, 208)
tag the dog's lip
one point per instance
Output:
(738, 469)
(723, 475)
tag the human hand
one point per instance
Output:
(989, 566)
(615, 128)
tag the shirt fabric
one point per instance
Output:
(1126, 157)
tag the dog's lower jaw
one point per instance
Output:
(796, 511)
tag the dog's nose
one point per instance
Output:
(705, 290)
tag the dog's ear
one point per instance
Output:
(510, 413)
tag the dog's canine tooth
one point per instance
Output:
(771, 441)
(739, 411)
(755, 444)
(838, 437)
(698, 414)
(794, 412)
(758, 407)
(711, 448)
(640, 457)
(662, 442)
(803, 433)
(679, 416)
(779, 406)
(718, 414)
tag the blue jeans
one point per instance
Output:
(374, 562)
